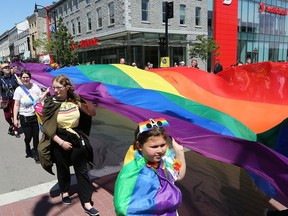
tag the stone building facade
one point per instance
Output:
(131, 28)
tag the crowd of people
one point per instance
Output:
(66, 127)
(67, 119)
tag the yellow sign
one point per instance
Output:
(165, 62)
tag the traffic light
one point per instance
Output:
(162, 42)
(169, 10)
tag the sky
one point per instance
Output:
(16, 11)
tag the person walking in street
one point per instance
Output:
(248, 60)
(8, 84)
(218, 67)
(66, 126)
(181, 64)
(194, 64)
(145, 185)
(25, 97)
(122, 61)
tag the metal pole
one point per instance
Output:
(57, 59)
(55, 24)
(166, 31)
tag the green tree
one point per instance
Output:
(203, 47)
(43, 42)
(59, 45)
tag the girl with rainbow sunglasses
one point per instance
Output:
(145, 185)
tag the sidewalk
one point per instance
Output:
(50, 204)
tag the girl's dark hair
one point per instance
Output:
(141, 138)
(25, 72)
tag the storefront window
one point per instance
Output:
(151, 55)
(260, 52)
(178, 54)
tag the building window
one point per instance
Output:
(198, 16)
(73, 27)
(111, 13)
(75, 2)
(60, 10)
(145, 10)
(182, 14)
(89, 22)
(65, 8)
(99, 17)
(70, 5)
(78, 25)
(67, 26)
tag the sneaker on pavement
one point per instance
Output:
(66, 200)
(92, 211)
(10, 131)
(17, 135)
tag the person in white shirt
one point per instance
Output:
(24, 105)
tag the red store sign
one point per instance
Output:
(85, 43)
(272, 9)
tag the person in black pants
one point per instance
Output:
(25, 97)
(66, 125)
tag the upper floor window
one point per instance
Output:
(73, 27)
(182, 14)
(75, 3)
(67, 26)
(70, 5)
(78, 25)
(198, 16)
(89, 22)
(111, 13)
(65, 8)
(99, 17)
(60, 9)
(145, 10)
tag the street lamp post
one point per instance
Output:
(48, 18)
(169, 13)
(47, 12)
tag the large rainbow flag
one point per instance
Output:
(236, 116)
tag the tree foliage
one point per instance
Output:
(203, 47)
(59, 45)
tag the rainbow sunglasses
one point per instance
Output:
(149, 124)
